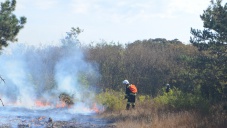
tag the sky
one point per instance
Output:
(123, 21)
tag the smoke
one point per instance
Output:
(43, 73)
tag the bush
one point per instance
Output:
(112, 100)
(66, 98)
(143, 98)
(178, 100)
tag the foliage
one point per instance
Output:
(109, 58)
(212, 44)
(71, 38)
(149, 64)
(112, 100)
(9, 24)
(178, 100)
(143, 98)
(215, 24)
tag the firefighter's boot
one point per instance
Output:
(127, 106)
(133, 106)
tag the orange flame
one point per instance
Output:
(39, 103)
(61, 105)
(97, 109)
(41, 118)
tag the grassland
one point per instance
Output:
(146, 115)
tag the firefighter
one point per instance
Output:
(130, 94)
(167, 88)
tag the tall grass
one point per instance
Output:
(146, 115)
(150, 114)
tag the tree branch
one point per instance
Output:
(2, 79)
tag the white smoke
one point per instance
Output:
(33, 73)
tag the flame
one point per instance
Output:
(61, 105)
(39, 103)
(77, 107)
(41, 118)
(97, 109)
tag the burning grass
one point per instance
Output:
(64, 112)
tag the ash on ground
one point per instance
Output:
(15, 117)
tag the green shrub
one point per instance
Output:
(178, 100)
(112, 100)
(142, 98)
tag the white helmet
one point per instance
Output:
(125, 82)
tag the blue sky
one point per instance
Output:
(121, 21)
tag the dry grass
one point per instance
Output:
(146, 116)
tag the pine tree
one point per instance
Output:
(212, 42)
(9, 24)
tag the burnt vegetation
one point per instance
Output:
(196, 72)
(64, 97)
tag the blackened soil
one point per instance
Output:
(82, 121)
(49, 118)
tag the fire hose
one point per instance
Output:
(2, 102)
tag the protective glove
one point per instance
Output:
(126, 97)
